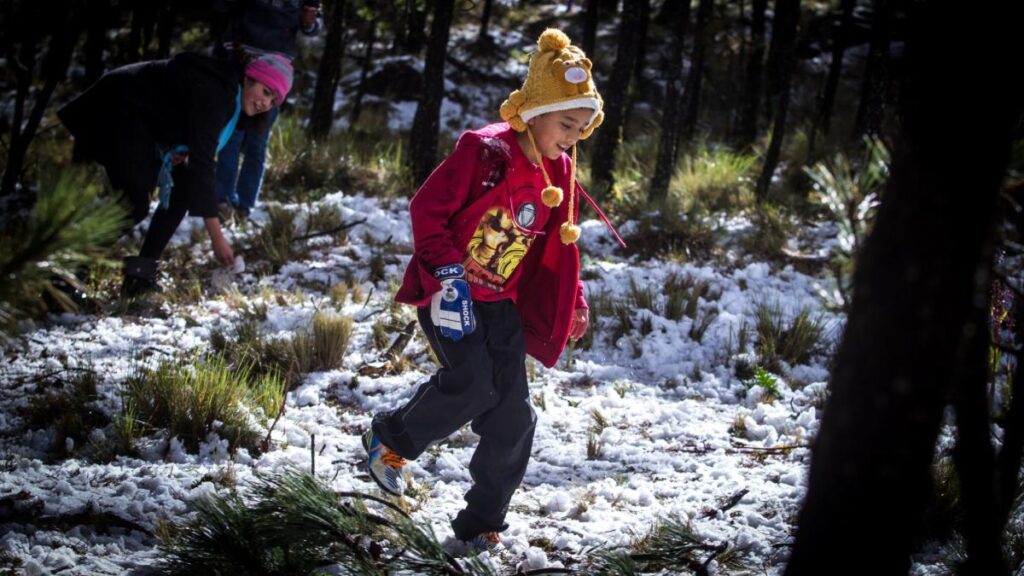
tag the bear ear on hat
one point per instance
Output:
(509, 110)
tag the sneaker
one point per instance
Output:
(485, 542)
(385, 466)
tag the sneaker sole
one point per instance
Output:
(366, 447)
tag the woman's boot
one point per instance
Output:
(139, 276)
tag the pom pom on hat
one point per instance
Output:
(559, 78)
(273, 71)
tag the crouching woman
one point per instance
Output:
(160, 124)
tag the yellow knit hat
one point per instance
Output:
(559, 78)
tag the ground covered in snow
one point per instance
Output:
(649, 424)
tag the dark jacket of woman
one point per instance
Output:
(131, 115)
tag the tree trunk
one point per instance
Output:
(921, 289)
(97, 19)
(787, 17)
(776, 64)
(876, 73)
(751, 106)
(641, 43)
(823, 118)
(590, 29)
(836, 66)
(485, 21)
(425, 125)
(321, 114)
(610, 133)
(364, 73)
(412, 37)
(695, 79)
(64, 36)
(165, 29)
(668, 145)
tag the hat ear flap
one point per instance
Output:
(598, 119)
(509, 110)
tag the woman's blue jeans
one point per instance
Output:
(241, 188)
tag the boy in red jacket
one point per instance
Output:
(495, 275)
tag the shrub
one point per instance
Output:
(69, 227)
(851, 195)
(322, 346)
(713, 181)
(190, 401)
(791, 340)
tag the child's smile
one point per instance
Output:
(556, 132)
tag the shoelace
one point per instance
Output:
(391, 459)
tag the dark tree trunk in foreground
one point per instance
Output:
(609, 134)
(426, 123)
(787, 16)
(668, 145)
(873, 95)
(920, 292)
(751, 107)
(701, 41)
(63, 35)
(321, 114)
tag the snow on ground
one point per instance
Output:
(673, 432)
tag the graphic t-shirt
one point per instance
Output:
(501, 240)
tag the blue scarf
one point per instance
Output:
(165, 180)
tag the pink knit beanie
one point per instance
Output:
(274, 71)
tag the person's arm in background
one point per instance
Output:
(309, 21)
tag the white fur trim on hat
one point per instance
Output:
(583, 102)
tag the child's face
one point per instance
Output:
(257, 98)
(556, 132)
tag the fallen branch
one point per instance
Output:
(330, 232)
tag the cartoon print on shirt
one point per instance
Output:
(498, 245)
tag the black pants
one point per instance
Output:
(483, 382)
(165, 221)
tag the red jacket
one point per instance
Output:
(445, 212)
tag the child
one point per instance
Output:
(161, 123)
(495, 275)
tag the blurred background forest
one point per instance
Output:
(683, 84)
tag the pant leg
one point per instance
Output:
(461, 390)
(227, 168)
(164, 223)
(250, 180)
(506, 430)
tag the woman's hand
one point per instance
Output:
(221, 249)
(580, 321)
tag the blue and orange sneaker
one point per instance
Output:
(385, 465)
(485, 542)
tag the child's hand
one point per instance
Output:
(580, 321)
